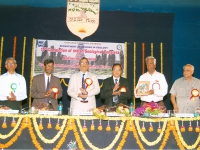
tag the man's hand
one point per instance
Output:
(116, 93)
(12, 97)
(48, 93)
(176, 109)
(116, 87)
(83, 91)
(151, 92)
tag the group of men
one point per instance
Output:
(84, 85)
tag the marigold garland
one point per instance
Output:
(12, 131)
(9, 143)
(48, 141)
(136, 137)
(94, 147)
(144, 139)
(63, 138)
(166, 137)
(179, 136)
(33, 137)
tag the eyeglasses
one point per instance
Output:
(10, 64)
(84, 63)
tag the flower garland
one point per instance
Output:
(144, 139)
(48, 141)
(14, 139)
(182, 140)
(12, 131)
(76, 134)
(136, 135)
(31, 132)
(124, 136)
(166, 137)
(63, 138)
(94, 147)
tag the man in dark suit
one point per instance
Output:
(43, 84)
(116, 88)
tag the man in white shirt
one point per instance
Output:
(157, 84)
(12, 86)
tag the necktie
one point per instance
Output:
(83, 85)
(116, 98)
(47, 88)
(83, 82)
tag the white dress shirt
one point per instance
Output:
(12, 83)
(157, 82)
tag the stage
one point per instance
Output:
(90, 132)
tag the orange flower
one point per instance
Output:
(182, 128)
(108, 128)
(116, 128)
(197, 129)
(143, 129)
(13, 123)
(151, 129)
(57, 126)
(4, 125)
(190, 128)
(92, 127)
(100, 128)
(159, 130)
(49, 126)
(85, 129)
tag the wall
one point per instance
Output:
(186, 33)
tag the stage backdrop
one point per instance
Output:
(114, 26)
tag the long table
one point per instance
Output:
(60, 132)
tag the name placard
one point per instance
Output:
(82, 114)
(44, 112)
(9, 111)
(161, 115)
(109, 114)
(184, 115)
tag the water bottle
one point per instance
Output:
(60, 108)
(131, 109)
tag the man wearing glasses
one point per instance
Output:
(12, 86)
(116, 89)
(83, 86)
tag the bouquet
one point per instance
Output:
(99, 113)
(123, 109)
(151, 108)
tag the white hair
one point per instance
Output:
(149, 57)
(192, 67)
(10, 58)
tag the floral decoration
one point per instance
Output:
(99, 113)
(122, 110)
(151, 108)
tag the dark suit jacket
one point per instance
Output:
(107, 90)
(38, 90)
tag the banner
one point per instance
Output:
(82, 17)
(66, 55)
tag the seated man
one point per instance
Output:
(112, 88)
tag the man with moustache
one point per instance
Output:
(112, 88)
(185, 92)
(41, 89)
(12, 86)
(82, 88)
(158, 85)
